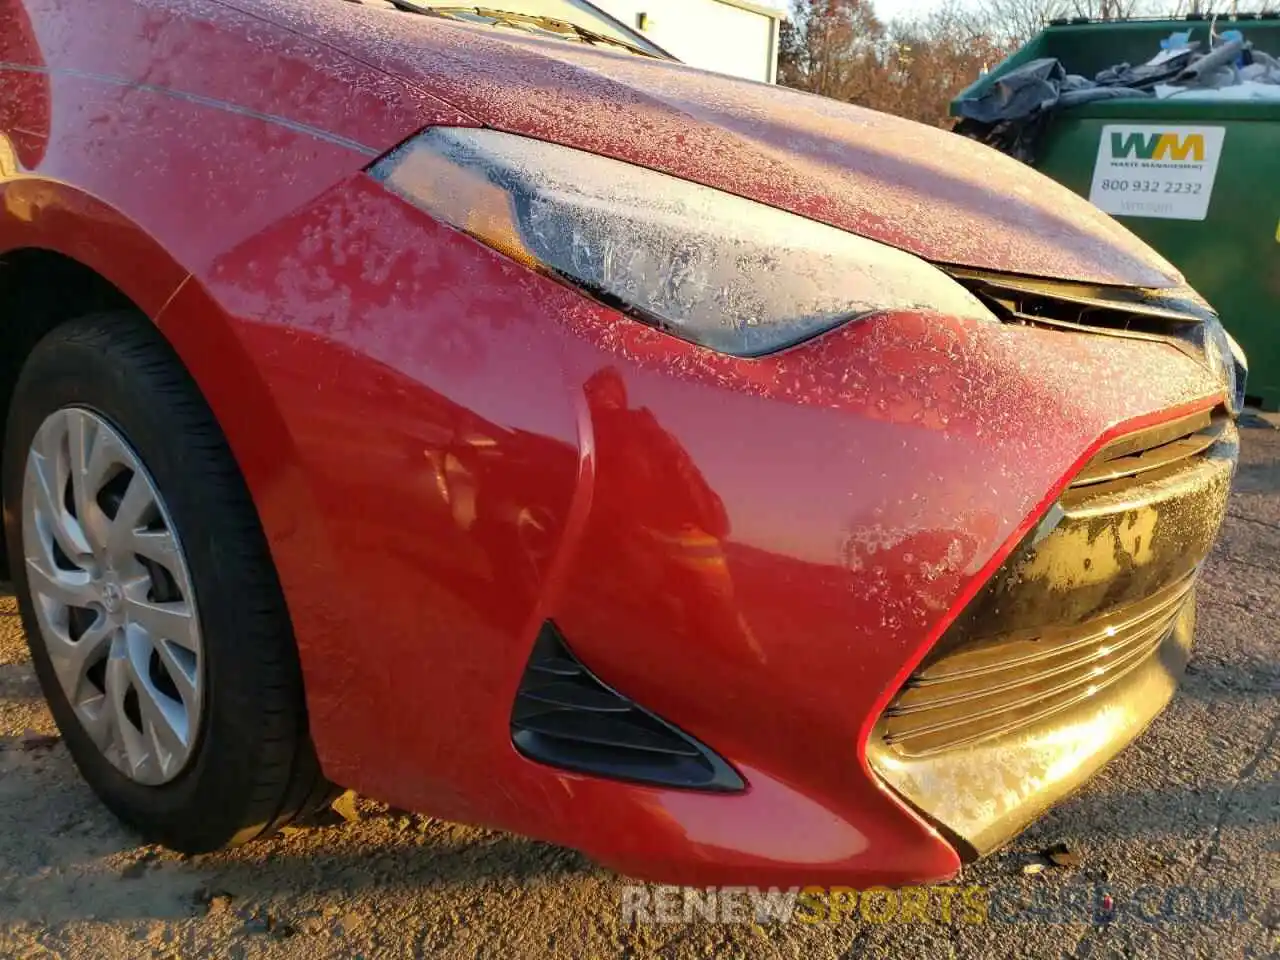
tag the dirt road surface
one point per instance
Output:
(1178, 841)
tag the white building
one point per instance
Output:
(737, 37)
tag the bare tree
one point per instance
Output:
(1210, 8)
(831, 47)
(1014, 22)
(928, 61)
(1107, 9)
(839, 48)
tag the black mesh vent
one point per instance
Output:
(566, 717)
(1174, 316)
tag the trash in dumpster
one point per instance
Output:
(1245, 90)
(1012, 111)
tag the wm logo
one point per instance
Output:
(1158, 146)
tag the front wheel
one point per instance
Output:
(156, 623)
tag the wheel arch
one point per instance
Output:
(248, 765)
(41, 289)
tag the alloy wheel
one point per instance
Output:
(112, 595)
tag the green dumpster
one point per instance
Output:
(1220, 227)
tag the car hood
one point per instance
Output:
(924, 190)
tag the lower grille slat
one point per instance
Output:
(988, 713)
(990, 691)
(956, 707)
(605, 732)
(986, 661)
(566, 717)
(1075, 694)
(1113, 467)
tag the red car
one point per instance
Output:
(486, 413)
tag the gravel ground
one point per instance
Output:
(1178, 841)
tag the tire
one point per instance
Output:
(235, 760)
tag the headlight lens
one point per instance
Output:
(731, 274)
(1241, 363)
(1226, 361)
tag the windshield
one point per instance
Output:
(593, 24)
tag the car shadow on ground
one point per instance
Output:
(1174, 811)
(82, 864)
(1257, 474)
(1221, 681)
(77, 862)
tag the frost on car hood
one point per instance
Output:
(923, 190)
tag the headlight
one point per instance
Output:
(1241, 363)
(1226, 361)
(731, 274)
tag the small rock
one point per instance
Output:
(283, 931)
(345, 807)
(1060, 855)
(212, 897)
(1032, 868)
(35, 740)
(340, 811)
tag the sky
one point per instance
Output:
(885, 9)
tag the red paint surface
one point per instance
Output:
(446, 449)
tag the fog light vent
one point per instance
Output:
(566, 717)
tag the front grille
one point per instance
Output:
(567, 717)
(1161, 448)
(995, 687)
(1123, 311)
(1071, 647)
(1176, 316)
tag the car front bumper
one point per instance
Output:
(1073, 647)
(761, 552)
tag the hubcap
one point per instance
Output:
(112, 595)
